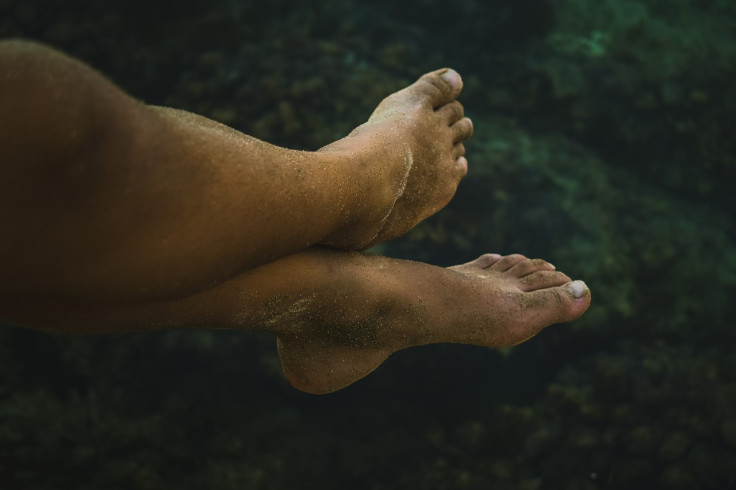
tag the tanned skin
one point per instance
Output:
(122, 216)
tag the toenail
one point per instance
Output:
(453, 78)
(577, 288)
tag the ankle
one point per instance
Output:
(373, 178)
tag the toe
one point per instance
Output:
(438, 87)
(507, 262)
(528, 266)
(482, 262)
(558, 304)
(544, 307)
(458, 150)
(485, 261)
(462, 129)
(462, 167)
(542, 279)
(451, 113)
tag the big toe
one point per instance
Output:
(439, 87)
(544, 307)
(559, 304)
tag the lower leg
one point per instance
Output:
(338, 315)
(105, 198)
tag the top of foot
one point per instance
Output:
(411, 156)
(493, 301)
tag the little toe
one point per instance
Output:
(542, 279)
(462, 129)
(462, 166)
(438, 87)
(528, 266)
(507, 262)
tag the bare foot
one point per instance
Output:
(414, 139)
(493, 301)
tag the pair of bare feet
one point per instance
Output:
(492, 301)
(91, 187)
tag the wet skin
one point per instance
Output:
(125, 216)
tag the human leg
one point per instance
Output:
(338, 315)
(103, 197)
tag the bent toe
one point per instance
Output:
(451, 113)
(462, 129)
(440, 87)
(485, 260)
(542, 279)
(528, 266)
(507, 262)
(458, 150)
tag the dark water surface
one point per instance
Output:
(604, 142)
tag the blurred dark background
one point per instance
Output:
(604, 143)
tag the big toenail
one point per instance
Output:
(577, 288)
(453, 78)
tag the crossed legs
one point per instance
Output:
(338, 314)
(123, 216)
